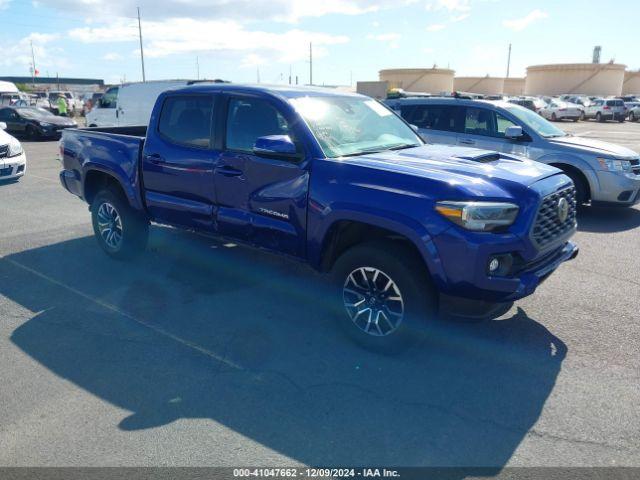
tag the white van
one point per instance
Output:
(8, 87)
(129, 104)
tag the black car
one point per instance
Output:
(34, 122)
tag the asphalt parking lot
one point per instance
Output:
(204, 353)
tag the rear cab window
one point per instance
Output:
(187, 120)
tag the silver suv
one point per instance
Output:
(603, 173)
(606, 109)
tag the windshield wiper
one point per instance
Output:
(402, 147)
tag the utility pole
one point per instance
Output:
(258, 74)
(144, 79)
(33, 67)
(509, 61)
(197, 69)
(289, 74)
(310, 63)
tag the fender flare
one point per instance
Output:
(576, 162)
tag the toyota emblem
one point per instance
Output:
(563, 210)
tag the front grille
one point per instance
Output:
(635, 166)
(5, 172)
(547, 226)
(4, 151)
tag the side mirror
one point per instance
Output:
(276, 146)
(415, 128)
(3, 126)
(513, 132)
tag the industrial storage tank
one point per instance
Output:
(429, 80)
(631, 85)
(514, 86)
(579, 78)
(485, 85)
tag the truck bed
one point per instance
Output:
(133, 131)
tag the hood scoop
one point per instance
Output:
(483, 157)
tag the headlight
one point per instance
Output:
(15, 148)
(614, 165)
(46, 125)
(479, 216)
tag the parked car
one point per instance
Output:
(129, 104)
(338, 181)
(634, 112)
(34, 123)
(524, 102)
(603, 173)
(13, 161)
(606, 109)
(74, 104)
(13, 98)
(557, 110)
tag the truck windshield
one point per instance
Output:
(534, 121)
(350, 126)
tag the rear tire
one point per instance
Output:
(632, 117)
(32, 133)
(383, 296)
(553, 117)
(599, 117)
(120, 231)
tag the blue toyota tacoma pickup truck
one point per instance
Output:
(339, 181)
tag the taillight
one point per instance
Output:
(607, 108)
(562, 110)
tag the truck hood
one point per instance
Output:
(596, 147)
(457, 165)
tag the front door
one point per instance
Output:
(260, 200)
(178, 162)
(15, 123)
(485, 129)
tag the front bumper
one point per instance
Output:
(465, 268)
(617, 189)
(13, 167)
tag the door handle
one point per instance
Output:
(156, 158)
(228, 171)
(467, 142)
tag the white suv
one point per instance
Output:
(606, 109)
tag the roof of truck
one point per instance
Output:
(288, 91)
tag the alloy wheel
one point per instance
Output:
(110, 225)
(373, 301)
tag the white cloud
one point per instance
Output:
(240, 10)
(449, 5)
(112, 57)
(459, 18)
(179, 36)
(18, 53)
(518, 24)
(435, 27)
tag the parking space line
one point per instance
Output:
(128, 316)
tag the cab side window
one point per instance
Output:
(250, 119)
(186, 120)
(479, 121)
(502, 123)
(110, 98)
(434, 117)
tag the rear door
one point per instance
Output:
(439, 124)
(260, 200)
(178, 161)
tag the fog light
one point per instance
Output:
(494, 265)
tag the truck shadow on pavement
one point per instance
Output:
(195, 329)
(608, 219)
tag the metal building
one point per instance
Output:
(429, 80)
(485, 85)
(631, 85)
(579, 78)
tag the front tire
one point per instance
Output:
(554, 118)
(632, 117)
(384, 296)
(599, 117)
(120, 231)
(581, 186)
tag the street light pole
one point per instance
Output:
(141, 51)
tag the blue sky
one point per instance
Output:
(353, 39)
